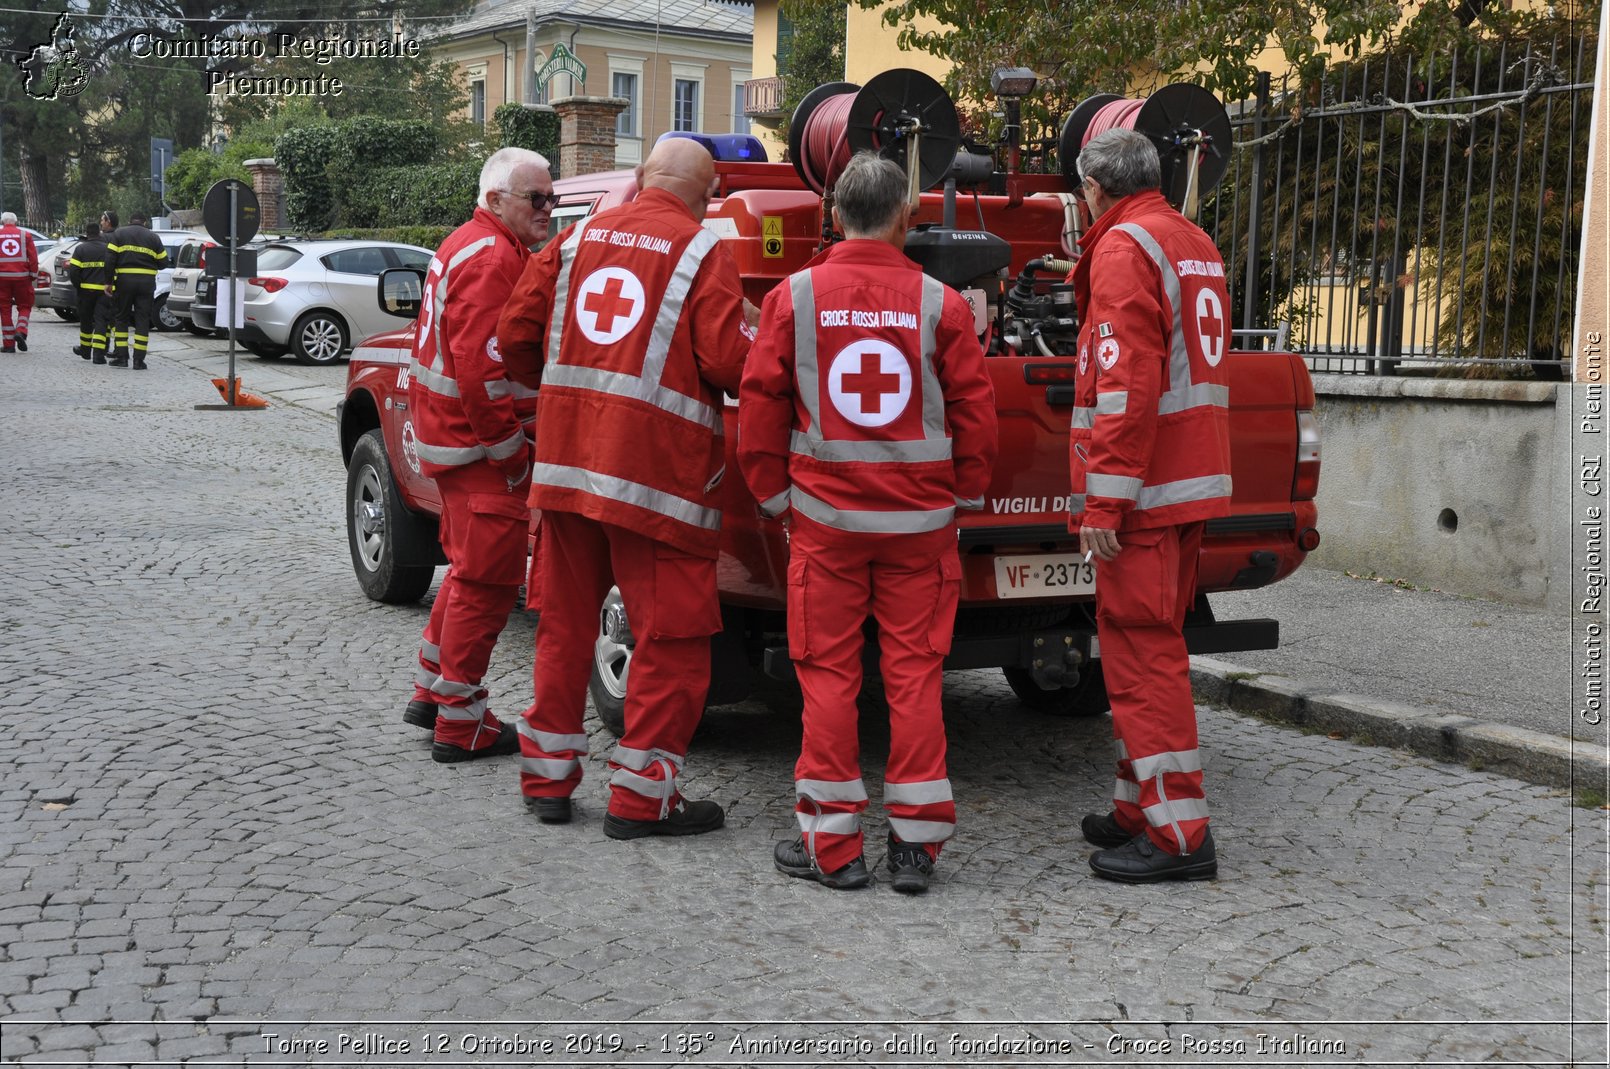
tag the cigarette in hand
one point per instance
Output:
(1088, 554)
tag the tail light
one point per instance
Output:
(1305, 487)
(1046, 374)
(271, 285)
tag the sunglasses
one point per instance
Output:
(539, 201)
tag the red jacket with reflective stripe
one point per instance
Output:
(865, 403)
(632, 322)
(1150, 444)
(18, 256)
(464, 407)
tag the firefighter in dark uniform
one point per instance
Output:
(89, 272)
(136, 255)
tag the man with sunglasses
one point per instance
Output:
(472, 427)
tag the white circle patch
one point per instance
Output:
(10, 247)
(1107, 353)
(1210, 326)
(609, 303)
(492, 349)
(869, 383)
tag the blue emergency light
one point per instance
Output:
(725, 148)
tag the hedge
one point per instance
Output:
(440, 194)
(536, 129)
(319, 160)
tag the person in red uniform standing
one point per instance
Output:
(19, 262)
(1150, 461)
(866, 419)
(470, 424)
(633, 322)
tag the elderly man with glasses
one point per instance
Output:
(473, 437)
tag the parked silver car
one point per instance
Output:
(317, 298)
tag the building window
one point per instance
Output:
(478, 103)
(685, 105)
(785, 42)
(740, 125)
(625, 86)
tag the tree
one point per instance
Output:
(816, 55)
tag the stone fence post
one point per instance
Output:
(587, 133)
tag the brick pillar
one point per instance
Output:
(268, 184)
(587, 133)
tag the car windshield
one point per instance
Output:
(277, 258)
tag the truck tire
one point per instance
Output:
(1088, 697)
(378, 523)
(612, 663)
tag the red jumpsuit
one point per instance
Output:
(632, 322)
(471, 424)
(867, 414)
(19, 262)
(1150, 459)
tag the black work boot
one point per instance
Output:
(1103, 829)
(1141, 861)
(792, 859)
(97, 357)
(8, 348)
(22, 341)
(421, 714)
(446, 753)
(550, 810)
(911, 866)
(688, 818)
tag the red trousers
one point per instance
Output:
(483, 532)
(18, 291)
(1141, 600)
(910, 584)
(671, 608)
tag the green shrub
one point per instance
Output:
(441, 194)
(529, 128)
(194, 171)
(331, 172)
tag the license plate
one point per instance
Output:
(1044, 575)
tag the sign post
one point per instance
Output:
(230, 213)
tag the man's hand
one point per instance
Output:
(1101, 541)
(751, 314)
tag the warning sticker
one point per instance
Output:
(771, 237)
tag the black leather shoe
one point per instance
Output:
(22, 342)
(79, 350)
(98, 358)
(8, 348)
(910, 865)
(1140, 861)
(1101, 829)
(688, 818)
(117, 362)
(446, 753)
(550, 810)
(792, 859)
(139, 365)
(421, 714)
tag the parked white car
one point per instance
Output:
(63, 297)
(317, 298)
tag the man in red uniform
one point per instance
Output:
(470, 424)
(1150, 459)
(865, 420)
(19, 262)
(633, 323)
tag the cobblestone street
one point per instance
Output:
(214, 826)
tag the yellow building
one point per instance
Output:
(682, 64)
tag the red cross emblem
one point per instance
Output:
(609, 303)
(1210, 326)
(869, 382)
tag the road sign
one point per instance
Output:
(216, 211)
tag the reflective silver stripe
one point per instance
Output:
(640, 389)
(434, 381)
(508, 447)
(450, 689)
(430, 651)
(1121, 749)
(913, 521)
(828, 823)
(548, 742)
(376, 354)
(921, 831)
(1206, 393)
(1201, 488)
(923, 792)
(933, 397)
(1179, 360)
(828, 790)
(803, 295)
(1123, 486)
(1112, 403)
(1170, 811)
(1168, 761)
(504, 388)
(1124, 790)
(661, 790)
(561, 295)
(775, 505)
(970, 503)
(1076, 503)
(475, 710)
(438, 312)
(424, 677)
(625, 491)
(672, 304)
(641, 759)
(449, 455)
(550, 767)
(916, 451)
(1083, 418)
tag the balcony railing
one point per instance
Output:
(763, 97)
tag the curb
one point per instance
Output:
(1549, 760)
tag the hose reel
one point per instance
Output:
(903, 115)
(1187, 124)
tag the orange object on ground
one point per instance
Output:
(242, 398)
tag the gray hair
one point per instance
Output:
(501, 165)
(1122, 162)
(869, 193)
(8, 218)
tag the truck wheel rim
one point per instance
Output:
(612, 659)
(369, 519)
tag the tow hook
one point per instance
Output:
(1056, 662)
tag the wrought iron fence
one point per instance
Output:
(1414, 213)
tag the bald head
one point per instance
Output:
(683, 168)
